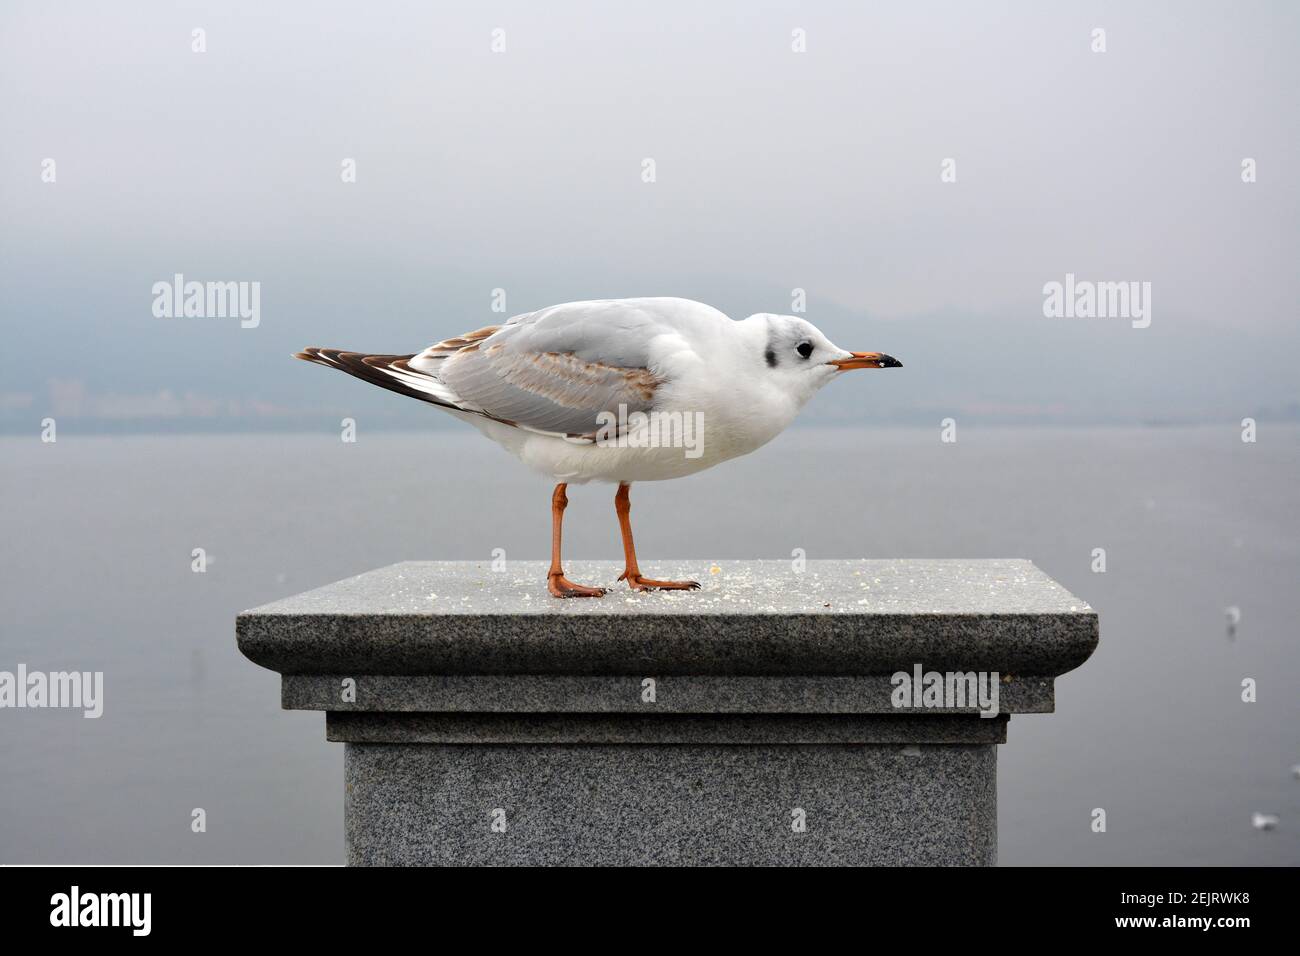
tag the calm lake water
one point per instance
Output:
(97, 536)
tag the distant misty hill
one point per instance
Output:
(129, 371)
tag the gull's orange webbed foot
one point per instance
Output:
(639, 583)
(562, 587)
(631, 573)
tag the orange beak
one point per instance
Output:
(866, 360)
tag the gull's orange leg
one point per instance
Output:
(556, 582)
(631, 573)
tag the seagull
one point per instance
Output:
(1264, 821)
(1234, 618)
(617, 391)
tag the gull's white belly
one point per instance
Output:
(693, 448)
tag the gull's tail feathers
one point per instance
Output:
(387, 371)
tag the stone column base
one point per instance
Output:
(677, 804)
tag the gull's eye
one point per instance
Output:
(804, 349)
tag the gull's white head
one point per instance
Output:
(799, 359)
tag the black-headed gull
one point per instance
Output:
(618, 390)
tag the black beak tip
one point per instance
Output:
(888, 361)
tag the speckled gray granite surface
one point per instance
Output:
(682, 805)
(557, 693)
(486, 722)
(747, 729)
(754, 617)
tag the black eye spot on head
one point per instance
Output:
(770, 355)
(804, 349)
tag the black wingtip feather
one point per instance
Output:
(368, 368)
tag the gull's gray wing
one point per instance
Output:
(557, 369)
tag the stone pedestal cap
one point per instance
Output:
(760, 637)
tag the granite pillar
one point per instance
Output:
(757, 721)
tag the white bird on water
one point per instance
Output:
(1263, 821)
(618, 390)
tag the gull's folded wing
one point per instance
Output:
(555, 370)
(558, 369)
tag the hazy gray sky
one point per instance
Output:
(775, 170)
